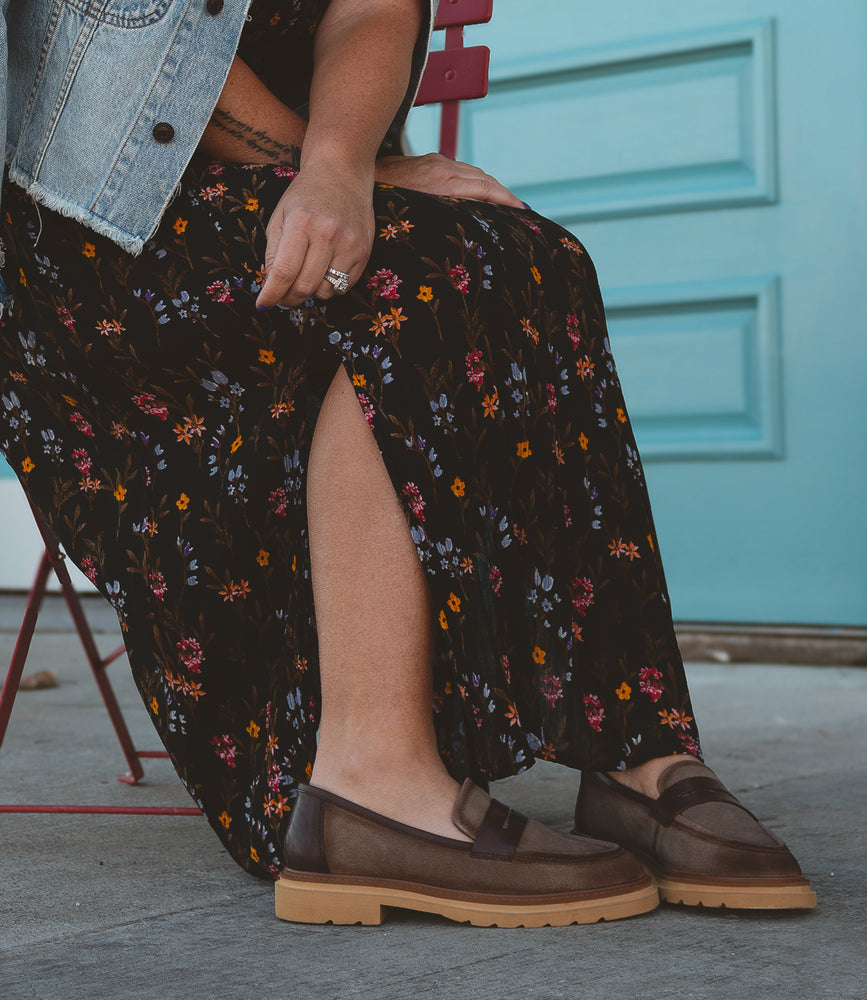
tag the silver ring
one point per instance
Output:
(340, 280)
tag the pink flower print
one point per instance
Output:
(552, 397)
(80, 424)
(190, 654)
(225, 748)
(648, 682)
(146, 402)
(475, 369)
(288, 172)
(594, 711)
(689, 743)
(507, 668)
(65, 317)
(572, 330)
(219, 292)
(460, 279)
(567, 516)
(413, 497)
(583, 598)
(158, 585)
(496, 579)
(278, 501)
(384, 284)
(88, 567)
(274, 777)
(366, 408)
(82, 461)
(551, 689)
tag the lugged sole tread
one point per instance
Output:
(307, 902)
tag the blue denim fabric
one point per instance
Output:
(92, 88)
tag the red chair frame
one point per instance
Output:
(456, 73)
(53, 559)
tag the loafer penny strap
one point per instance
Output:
(499, 833)
(689, 792)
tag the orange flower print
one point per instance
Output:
(397, 317)
(584, 367)
(425, 293)
(266, 357)
(458, 487)
(225, 819)
(524, 449)
(236, 444)
(254, 854)
(538, 655)
(491, 403)
(454, 602)
(621, 414)
(120, 494)
(27, 465)
(180, 226)
(536, 276)
(444, 622)
(282, 408)
(359, 380)
(253, 729)
(673, 719)
(89, 250)
(624, 692)
(263, 557)
(182, 502)
(229, 591)
(155, 706)
(583, 440)
(252, 204)
(530, 330)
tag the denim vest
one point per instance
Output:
(105, 101)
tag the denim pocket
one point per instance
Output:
(122, 13)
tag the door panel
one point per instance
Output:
(713, 159)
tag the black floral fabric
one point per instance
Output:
(162, 426)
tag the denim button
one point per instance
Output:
(163, 132)
(213, 7)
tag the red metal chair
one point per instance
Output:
(53, 559)
(453, 74)
(456, 73)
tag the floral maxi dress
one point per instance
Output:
(162, 426)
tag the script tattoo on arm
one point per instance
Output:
(254, 139)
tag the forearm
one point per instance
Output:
(362, 59)
(250, 124)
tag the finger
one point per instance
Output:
(285, 253)
(483, 187)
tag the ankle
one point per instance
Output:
(644, 778)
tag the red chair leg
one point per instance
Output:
(22, 644)
(53, 559)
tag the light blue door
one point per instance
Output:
(713, 158)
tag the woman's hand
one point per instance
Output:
(435, 174)
(324, 219)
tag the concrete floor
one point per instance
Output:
(152, 907)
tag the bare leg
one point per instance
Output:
(376, 740)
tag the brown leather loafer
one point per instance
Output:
(345, 864)
(702, 846)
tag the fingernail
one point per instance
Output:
(526, 206)
(262, 309)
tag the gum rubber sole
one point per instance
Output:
(314, 902)
(737, 897)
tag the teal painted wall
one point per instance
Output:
(713, 158)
